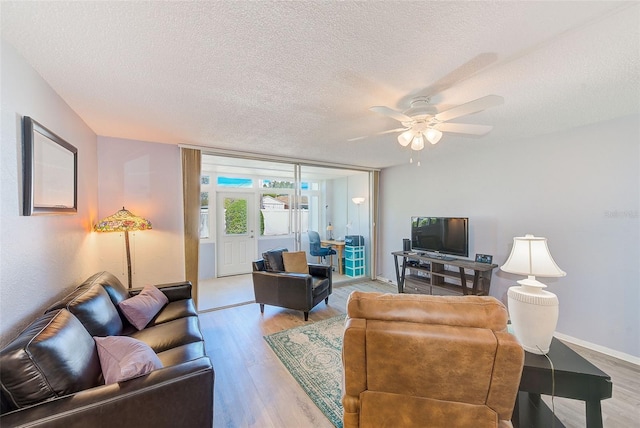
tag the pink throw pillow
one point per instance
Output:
(141, 309)
(123, 358)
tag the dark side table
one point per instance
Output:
(575, 378)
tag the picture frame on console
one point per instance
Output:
(49, 170)
(484, 258)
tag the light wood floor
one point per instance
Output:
(253, 389)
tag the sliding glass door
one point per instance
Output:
(250, 206)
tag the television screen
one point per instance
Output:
(445, 235)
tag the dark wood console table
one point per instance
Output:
(575, 378)
(434, 275)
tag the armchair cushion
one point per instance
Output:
(273, 261)
(295, 262)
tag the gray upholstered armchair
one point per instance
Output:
(274, 286)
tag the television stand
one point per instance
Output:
(424, 274)
(445, 258)
(434, 255)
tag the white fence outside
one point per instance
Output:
(276, 221)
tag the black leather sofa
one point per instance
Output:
(50, 374)
(273, 286)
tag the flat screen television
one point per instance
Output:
(443, 235)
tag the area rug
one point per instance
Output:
(313, 355)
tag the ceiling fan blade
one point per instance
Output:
(463, 72)
(378, 133)
(464, 128)
(389, 112)
(391, 131)
(470, 107)
(357, 138)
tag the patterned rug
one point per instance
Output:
(313, 355)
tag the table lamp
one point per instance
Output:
(532, 310)
(123, 221)
(330, 231)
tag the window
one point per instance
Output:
(235, 216)
(275, 214)
(234, 182)
(276, 217)
(277, 184)
(204, 208)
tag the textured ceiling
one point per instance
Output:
(296, 79)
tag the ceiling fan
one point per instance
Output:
(423, 121)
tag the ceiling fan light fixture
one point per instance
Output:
(405, 138)
(433, 135)
(418, 142)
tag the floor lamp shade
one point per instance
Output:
(532, 310)
(123, 221)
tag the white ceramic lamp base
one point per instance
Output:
(534, 316)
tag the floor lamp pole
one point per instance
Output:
(126, 242)
(123, 221)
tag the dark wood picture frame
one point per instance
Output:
(484, 258)
(49, 170)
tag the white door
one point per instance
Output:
(235, 237)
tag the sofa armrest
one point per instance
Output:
(174, 291)
(354, 377)
(180, 395)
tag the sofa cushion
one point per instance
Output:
(183, 353)
(52, 357)
(170, 334)
(142, 308)
(423, 412)
(123, 358)
(112, 285)
(295, 262)
(273, 260)
(174, 311)
(92, 305)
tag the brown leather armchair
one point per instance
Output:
(299, 291)
(428, 361)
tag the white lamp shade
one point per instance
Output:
(357, 200)
(433, 135)
(405, 138)
(418, 142)
(530, 256)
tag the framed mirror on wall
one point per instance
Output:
(50, 172)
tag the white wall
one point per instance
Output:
(146, 179)
(579, 188)
(337, 201)
(41, 257)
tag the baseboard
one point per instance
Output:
(601, 349)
